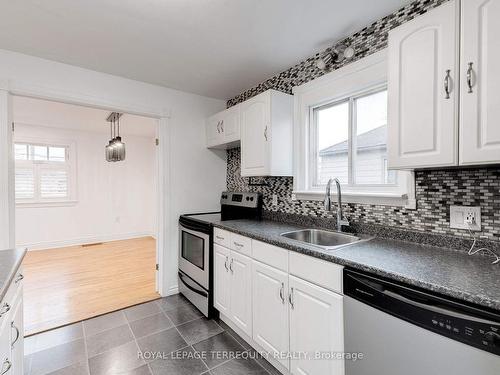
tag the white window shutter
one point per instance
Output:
(25, 183)
(53, 183)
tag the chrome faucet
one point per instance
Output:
(328, 203)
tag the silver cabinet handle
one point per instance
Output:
(17, 334)
(231, 265)
(447, 84)
(469, 78)
(4, 309)
(265, 132)
(18, 278)
(219, 237)
(225, 264)
(6, 365)
(290, 298)
(238, 244)
(222, 126)
(282, 291)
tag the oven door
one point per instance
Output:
(194, 247)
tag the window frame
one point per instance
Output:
(358, 79)
(39, 165)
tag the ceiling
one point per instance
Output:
(30, 111)
(216, 48)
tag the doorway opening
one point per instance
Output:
(90, 225)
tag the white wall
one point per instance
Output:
(197, 175)
(113, 200)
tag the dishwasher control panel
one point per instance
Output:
(469, 325)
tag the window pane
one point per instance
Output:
(57, 154)
(53, 183)
(39, 152)
(20, 151)
(370, 163)
(25, 184)
(332, 140)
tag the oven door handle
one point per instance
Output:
(197, 291)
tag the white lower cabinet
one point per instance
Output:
(270, 309)
(241, 291)
(298, 323)
(222, 279)
(17, 335)
(316, 328)
(233, 287)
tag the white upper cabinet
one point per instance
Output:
(480, 82)
(266, 134)
(423, 90)
(223, 129)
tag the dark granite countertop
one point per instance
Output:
(10, 260)
(449, 272)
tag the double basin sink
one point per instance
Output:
(323, 239)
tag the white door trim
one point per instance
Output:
(8, 88)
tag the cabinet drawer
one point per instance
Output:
(241, 244)
(7, 303)
(222, 237)
(316, 271)
(270, 254)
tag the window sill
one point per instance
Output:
(46, 204)
(383, 199)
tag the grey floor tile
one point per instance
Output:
(239, 367)
(199, 330)
(118, 360)
(151, 324)
(104, 322)
(162, 343)
(142, 310)
(238, 338)
(27, 364)
(143, 370)
(265, 363)
(172, 302)
(29, 345)
(218, 349)
(58, 357)
(183, 314)
(109, 339)
(80, 368)
(58, 336)
(182, 362)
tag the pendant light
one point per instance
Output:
(115, 149)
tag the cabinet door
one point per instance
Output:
(423, 90)
(241, 292)
(270, 309)
(255, 135)
(222, 279)
(214, 133)
(480, 83)
(16, 334)
(316, 326)
(6, 365)
(231, 124)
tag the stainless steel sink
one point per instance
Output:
(323, 238)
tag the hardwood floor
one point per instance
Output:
(70, 284)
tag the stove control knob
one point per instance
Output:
(492, 337)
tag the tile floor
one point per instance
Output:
(170, 332)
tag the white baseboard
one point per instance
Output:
(83, 240)
(173, 290)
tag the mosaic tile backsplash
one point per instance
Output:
(435, 191)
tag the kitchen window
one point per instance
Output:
(340, 132)
(44, 173)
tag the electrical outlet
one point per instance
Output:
(275, 200)
(465, 217)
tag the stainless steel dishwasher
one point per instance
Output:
(403, 330)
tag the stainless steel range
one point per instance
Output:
(196, 245)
